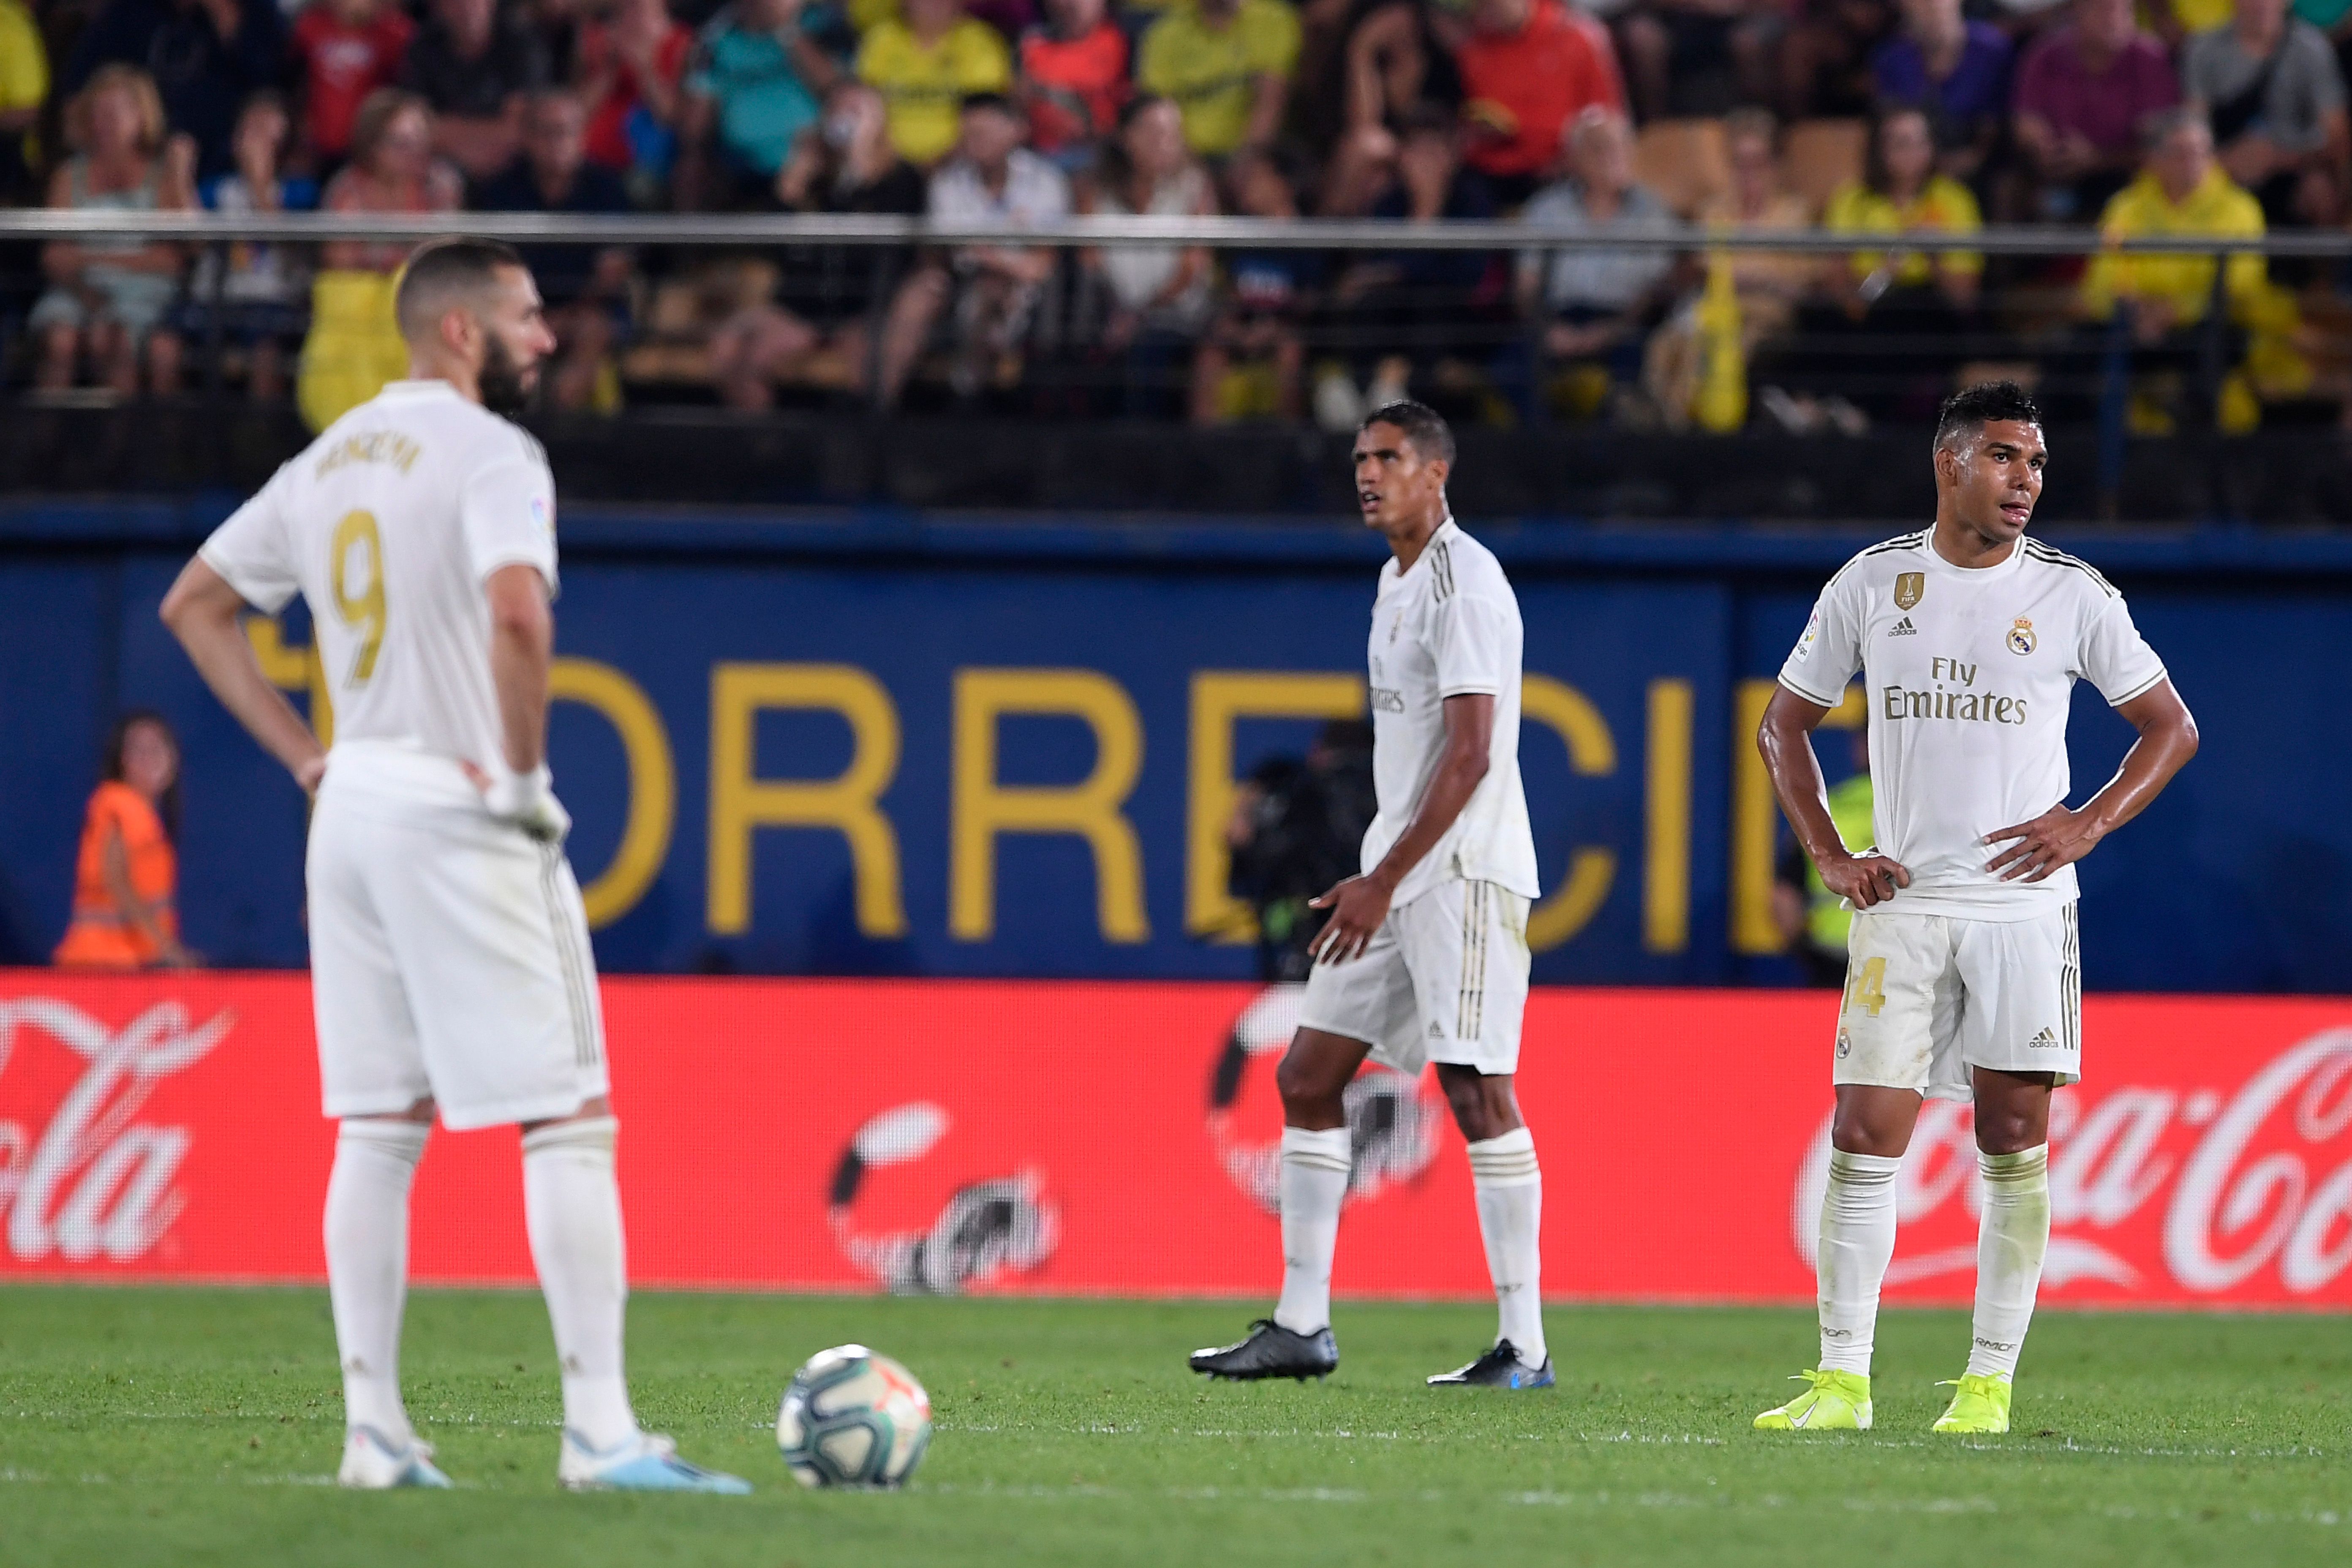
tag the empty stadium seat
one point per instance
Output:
(1682, 161)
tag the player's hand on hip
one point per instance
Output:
(1863, 880)
(2056, 837)
(523, 800)
(1358, 907)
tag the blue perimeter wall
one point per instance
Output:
(865, 630)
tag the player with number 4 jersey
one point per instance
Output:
(449, 958)
(1963, 969)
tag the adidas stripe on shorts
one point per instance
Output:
(449, 950)
(1444, 980)
(1929, 996)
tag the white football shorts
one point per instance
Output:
(449, 950)
(1929, 996)
(1444, 980)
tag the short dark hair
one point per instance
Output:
(1423, 425)
(996, 100)
(1967, 411)
(439, 269)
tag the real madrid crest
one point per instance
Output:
(1909, 588)
(2020, 636)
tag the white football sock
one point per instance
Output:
(1509, 1187)
(2011, 1238)
(367, 1263)
(1314, 1184)
(1857, 1244)
(571, 1204)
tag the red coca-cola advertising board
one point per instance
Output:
(1119, 1139)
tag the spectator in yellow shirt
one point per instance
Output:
(1227, 64)
(2182, 190)
(23, 88)
(1882, 328)
(925, 65)
(2175, 348)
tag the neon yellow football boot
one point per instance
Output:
(1982, 1405)
(1832, 1402)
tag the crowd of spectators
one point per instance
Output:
(1649, 118)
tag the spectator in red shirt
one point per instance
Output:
(1528, 70)
(346, 49)
(1073, 80)
(630, 70)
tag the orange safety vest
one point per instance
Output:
(102, 936)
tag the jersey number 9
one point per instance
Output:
(363, 611)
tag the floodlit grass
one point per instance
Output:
(141, 1426)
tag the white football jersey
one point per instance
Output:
(388, 525)
(1969, 674)
(1448, 627)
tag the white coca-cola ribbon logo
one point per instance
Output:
(91, 1184)
(2232, 1212)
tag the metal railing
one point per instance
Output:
(701, 229)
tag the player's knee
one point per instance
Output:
(1304, 1084)
(2009, 1129)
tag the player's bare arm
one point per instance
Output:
(2060, 837)
(1786, 741)
(202, 610)
(1360, 904)
(523, 646)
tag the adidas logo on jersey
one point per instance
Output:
(2046, 1041)
(1903, 628)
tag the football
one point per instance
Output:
(852, 1418)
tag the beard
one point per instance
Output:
(505, 386)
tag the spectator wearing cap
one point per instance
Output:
(586, 289)
(108, 298)
(1955, 70)
(1073, 80)
(205, 56)
(1596, 308)
(995, 288)
(1528, 70)
(757, 82)
(2086, 95)
(2268, 84)
(1227, 64)
(925, 65)
(344, 50)
(473, 67)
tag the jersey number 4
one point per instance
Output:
(363, 611)
(1866, 985)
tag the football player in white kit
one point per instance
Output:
(1424, 957)
(449, 957)
(1963, 974)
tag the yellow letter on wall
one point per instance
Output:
(652, 783)
(1756, 820)
(740, 801)
(1592, 754)
(1219, 696)
(1088, 809)
(1666, 886)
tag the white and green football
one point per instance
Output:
(852, 1418)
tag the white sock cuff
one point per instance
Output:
(1508, 1160)
(1863, 1170)
(396, 1136)
(1325, 1148)
(2026, 1169)
(581, 1135)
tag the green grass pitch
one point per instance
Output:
(173, 1426)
